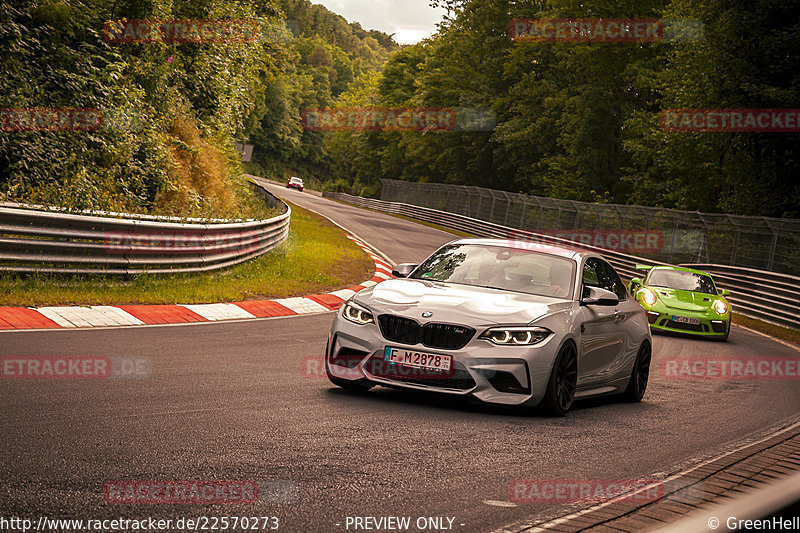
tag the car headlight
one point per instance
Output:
(516, 336)
(357, 315)
(720, 307)
(649, 297)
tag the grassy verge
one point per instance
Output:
(792, 336)
(317, 258)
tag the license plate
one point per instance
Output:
(686, 320)
(415, 359)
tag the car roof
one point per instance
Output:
(560, 251)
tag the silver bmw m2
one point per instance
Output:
(502, 322)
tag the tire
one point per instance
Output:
(563, 382)
(640, 375)
(358, 385)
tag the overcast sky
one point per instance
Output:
(409, 20)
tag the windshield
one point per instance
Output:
(683, 281)
(500, 268)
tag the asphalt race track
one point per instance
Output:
(236, 401)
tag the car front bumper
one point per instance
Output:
(504, 375)
(709, 326)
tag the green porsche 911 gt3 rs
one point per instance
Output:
(683, 300)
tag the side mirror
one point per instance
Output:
(598, 296)
(634, 285)
(403, 270)
(723, 292)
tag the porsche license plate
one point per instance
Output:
(686, 320)
(416, 359)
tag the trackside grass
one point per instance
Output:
(792, 336)
(317, 258)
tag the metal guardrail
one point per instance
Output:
(765, 243)
(37, 239)
(767, 296)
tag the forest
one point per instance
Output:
(575, 120)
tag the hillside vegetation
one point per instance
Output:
(172, 111)
(574, 120)
(580, 120)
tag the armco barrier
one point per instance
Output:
(762, 243)
(36, 239)
(767, 296)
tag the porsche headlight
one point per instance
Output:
(649, 297)
(516, 336)
(357, 315)
(721, 307)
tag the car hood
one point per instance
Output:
(460, 304)
(685, 300)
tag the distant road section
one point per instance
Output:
(400, 239)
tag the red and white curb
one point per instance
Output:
(12, 318)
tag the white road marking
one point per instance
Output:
(498, 503)
(303, 306)
(219, 311)
(344, 294)
(81, 317)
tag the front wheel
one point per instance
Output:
(563, 382)
(640, 375)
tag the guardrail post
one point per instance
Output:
(772, 251)
(735, 245)
(672, 245)
(774, 244)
